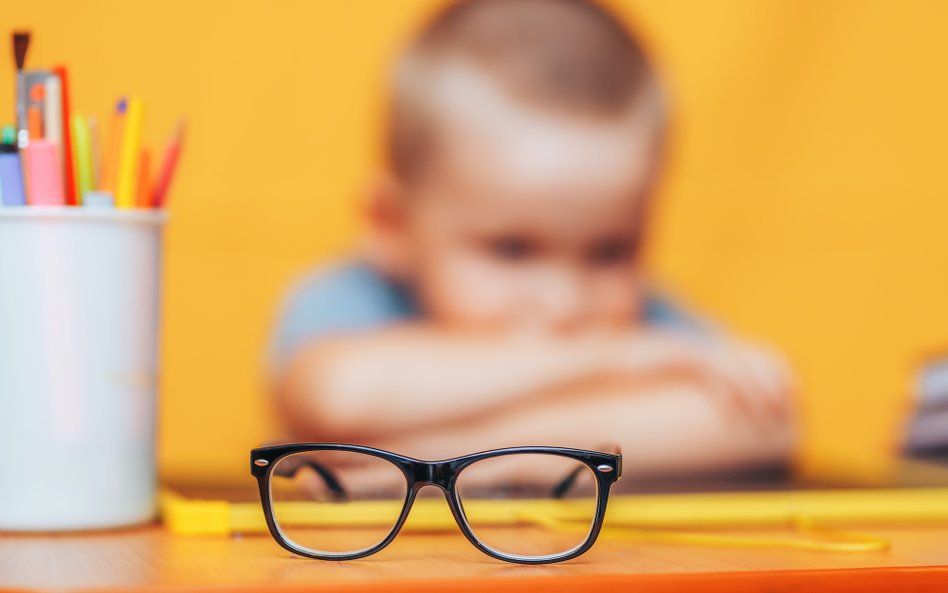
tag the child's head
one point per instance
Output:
(524, 136)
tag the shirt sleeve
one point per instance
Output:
(663, 312)
(347, 299)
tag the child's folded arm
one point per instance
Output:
(670, 429)
(398, 379)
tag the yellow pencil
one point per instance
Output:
(109, 165)
(95, 148)
(127, 183)
(82, 156)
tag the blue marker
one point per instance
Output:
(11, 177)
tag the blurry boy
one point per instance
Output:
(501, 298)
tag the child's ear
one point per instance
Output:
(386, 213)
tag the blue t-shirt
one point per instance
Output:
(355, 297)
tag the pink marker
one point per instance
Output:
(44, 179)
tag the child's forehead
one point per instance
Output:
(490, 140)
(464, 96)
(479, 127)
(495, 191)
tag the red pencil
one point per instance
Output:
(69, 167)
(168, 166)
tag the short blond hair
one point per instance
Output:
(569, 55)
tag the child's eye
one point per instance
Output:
(611, 251)
(512, 248)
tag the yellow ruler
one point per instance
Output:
(653, 517)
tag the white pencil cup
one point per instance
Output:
(79, 300)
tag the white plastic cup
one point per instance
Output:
(79, 301)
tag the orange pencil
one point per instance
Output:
(143, 191)
(108, 171)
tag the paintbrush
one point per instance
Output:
(21, 42)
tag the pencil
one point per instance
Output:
(125, 184)
(95, 147)
(73, 196)
(143, 185)
(168, 166)
(82, 151)
(108, 167)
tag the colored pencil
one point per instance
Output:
(108, 170)
(143, 186)
(83, 157)
(73, 196)
(95, 147)
(125, 185)
(168, 166)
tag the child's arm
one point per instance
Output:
(368, 386)
(674, 429)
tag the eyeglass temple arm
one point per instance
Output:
(328, 477)
(561, 488)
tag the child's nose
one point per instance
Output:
(560, 303)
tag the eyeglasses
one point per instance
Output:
(529, 505)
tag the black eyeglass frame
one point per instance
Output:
(607, 467)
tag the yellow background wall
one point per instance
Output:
(806, 199)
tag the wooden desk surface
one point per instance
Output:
(149, 558)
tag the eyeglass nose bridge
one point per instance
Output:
(433, 473)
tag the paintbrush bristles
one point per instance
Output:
(21, 42)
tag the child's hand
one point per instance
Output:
(748, 379)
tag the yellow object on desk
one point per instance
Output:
(656, 517)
